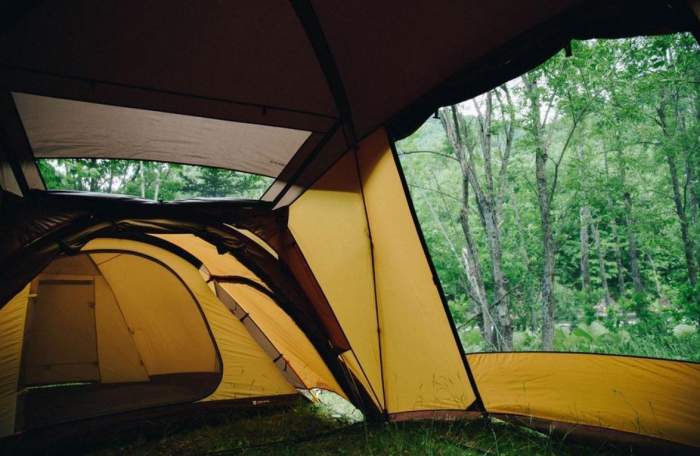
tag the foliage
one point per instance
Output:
(621, 120)
(153, 180)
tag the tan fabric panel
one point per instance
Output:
(247, 371)
(216, 264)
(61, 342)
(350, 361)
(652, 397)
(259, 337)
(285, 336)
(66, 128)
(119, 357)
(167, 326)
(329, 224)
(72, 265)
(12, 318)
(423, 369)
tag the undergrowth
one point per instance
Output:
(303, 430)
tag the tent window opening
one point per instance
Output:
(161, 181)
(561, 208)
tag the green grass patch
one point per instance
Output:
(304, 429)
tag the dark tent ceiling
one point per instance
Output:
(334, 70)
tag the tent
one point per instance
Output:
(325, 282)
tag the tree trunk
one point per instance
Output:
(669, 132)
(655, 274)
(156, 190)
(613, 227)
(683, 219)
(470, 257)
(585, 215)
(543, 200)
(601, 266)
(548, 251)
(110, 183)
(488, 202)
(618, 258)
(491, 220)
(142, 178)
(632, 245)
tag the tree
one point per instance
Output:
(489, 190)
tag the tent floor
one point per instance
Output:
(53, 405)
(84, 433)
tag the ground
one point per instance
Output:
(307, 428)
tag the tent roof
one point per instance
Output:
(337, 70)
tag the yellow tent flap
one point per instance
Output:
(274, 323)
(12, 317)
(656, 398)
(356, 231)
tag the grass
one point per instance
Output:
(595, 338)
(307, 429)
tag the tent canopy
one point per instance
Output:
(325, 73)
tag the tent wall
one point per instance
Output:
(247, 370)
(12, 318)
(119, 357)
(295, 349)
(355, 229)
(169, 332)
(277, 327)
(651, 397)
(329, 224)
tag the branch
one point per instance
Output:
(557, 164)
(427, 189)
(550, 103)
(432, 152)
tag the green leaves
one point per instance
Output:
(151, 180)
(614, 88)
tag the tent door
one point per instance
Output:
(60, 338)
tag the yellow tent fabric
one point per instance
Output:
(423, 369)
(217, 265)
(12, 318)
(329, 224)
(118, 354)
(169, 334)
(284, 334)
(422, 366)
(656, 398)
(247, 370)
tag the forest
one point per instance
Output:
(560, 208)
